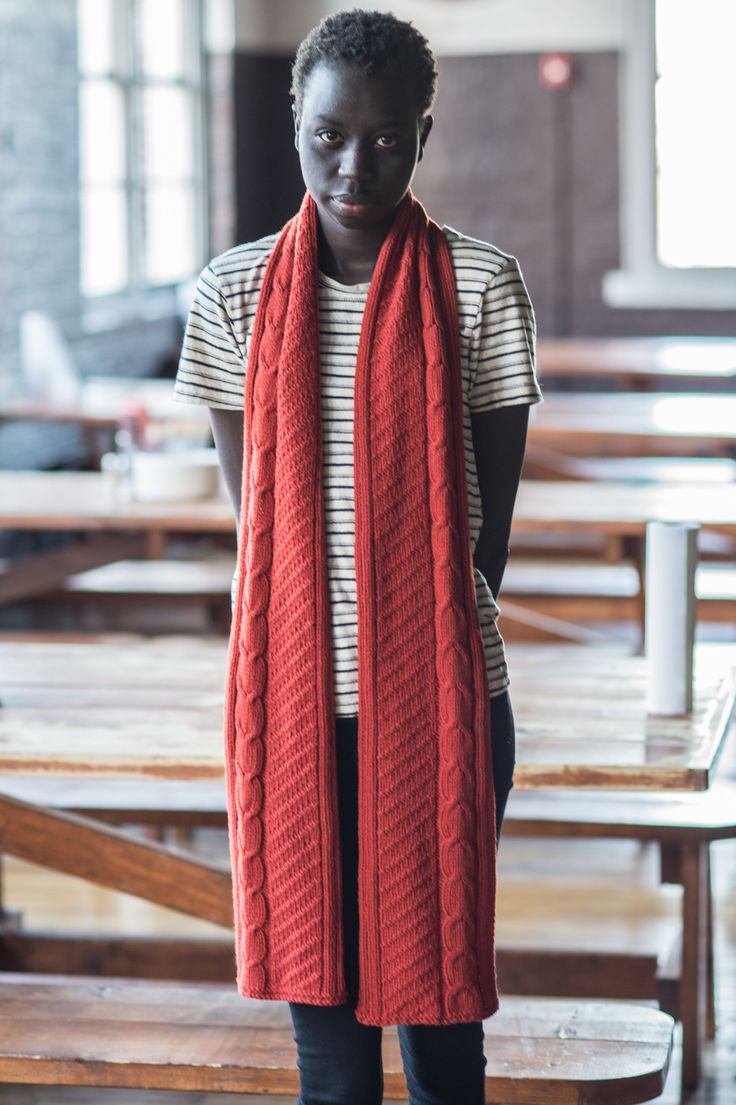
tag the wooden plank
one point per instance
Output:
(201, 1037)
(78, 846)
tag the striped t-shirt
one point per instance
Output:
(497, 338)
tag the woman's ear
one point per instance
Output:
(424, 128)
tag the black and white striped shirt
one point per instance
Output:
(497, 339)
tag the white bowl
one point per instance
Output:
(176, 476)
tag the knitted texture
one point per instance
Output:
(426, 820)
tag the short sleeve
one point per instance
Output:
(503, 344)
(212, 365)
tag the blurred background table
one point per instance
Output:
(639, 364)
(635, 424)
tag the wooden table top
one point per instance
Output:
(133, 706)
(85, 501)
(648, 421)
(620, 507)
(103, 400)
(651, 360)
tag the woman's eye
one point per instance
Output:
(329, 137)
(386, 141)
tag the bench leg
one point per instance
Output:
(694, 978)
(635, 548)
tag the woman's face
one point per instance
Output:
(359, 140)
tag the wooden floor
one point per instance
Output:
(66, 903)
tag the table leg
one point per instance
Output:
(710, 1012)
(155, 544)
(694, 975)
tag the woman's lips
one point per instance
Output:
(351, 203)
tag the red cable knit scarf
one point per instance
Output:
(426, 806)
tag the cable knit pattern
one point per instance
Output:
(426, 879)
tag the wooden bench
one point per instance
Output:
(592, 938)
(205, 1038)
(666, 954)
(683, 826)
(202, 584)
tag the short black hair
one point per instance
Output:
(373, 41)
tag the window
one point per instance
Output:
(678, 164)
(142, 203)
(696, 160)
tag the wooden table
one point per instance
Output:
(636, 364)
(621, 511)
(102, 402)
(86, 502)
(131, 707)
(631, 424)
(580, 717)
(101, 405)
(621, 508)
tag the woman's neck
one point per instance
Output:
(349, 256)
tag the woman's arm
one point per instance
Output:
(227, 430)
(499, 440)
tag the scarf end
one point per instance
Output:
(304, 995)
(428, 1013)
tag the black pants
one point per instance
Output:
(339, 1059)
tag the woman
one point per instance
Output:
(372, 452)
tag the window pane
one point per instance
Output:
(96, 36)
(104, 240)
(696, 161)
(102, 132)
(161, 30)
(170, 243)
(167, 130)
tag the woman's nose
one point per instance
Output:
(354, 163)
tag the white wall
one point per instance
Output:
(452, 26)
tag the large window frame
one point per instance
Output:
(642, 282)
(141, 299)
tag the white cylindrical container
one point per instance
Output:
(670, 615)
